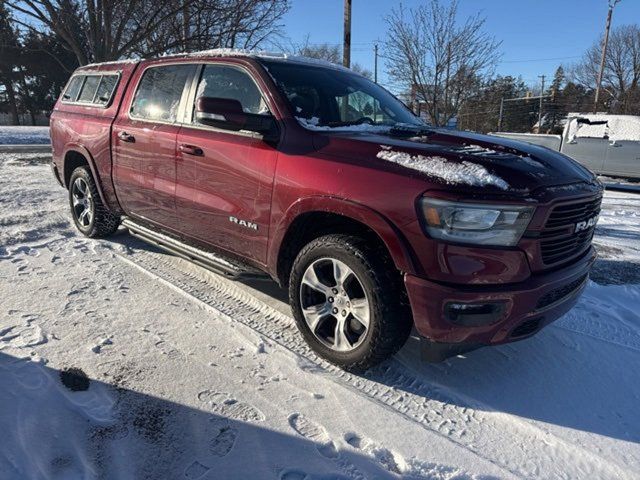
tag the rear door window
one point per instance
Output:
(159, 93)
(89, 89)
(105, 89)
(71, 93)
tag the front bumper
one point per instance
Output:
(528, 306)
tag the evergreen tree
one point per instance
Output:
(9, 59)
(481, 112)
(554, 109)
(558, 81)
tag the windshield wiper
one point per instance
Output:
(407, 130)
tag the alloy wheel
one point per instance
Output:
(334, 304)
(83, 206)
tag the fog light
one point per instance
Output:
(474, 314)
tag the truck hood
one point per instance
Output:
(458, 159)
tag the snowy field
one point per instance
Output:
(24, 135)
(119, 361)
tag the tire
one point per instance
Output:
(91, 217)
(374, 280)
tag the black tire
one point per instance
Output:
(390, 321)
(102, 222)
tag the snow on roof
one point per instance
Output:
(235, 52)
(278, 56)
(618, 127)
(451, 172)
(112, 62)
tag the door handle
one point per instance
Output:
(126, 137)
(191, 150)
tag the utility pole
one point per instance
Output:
(501, 112)
(540, 108)
(375, 63)
(612, 4)
(186, 20)
(346, 49)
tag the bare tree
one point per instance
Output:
(439, 60)
(621, 78)
(325, 51)
(102, 30)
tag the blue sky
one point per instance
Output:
(536, 35)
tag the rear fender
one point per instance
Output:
(77, 148)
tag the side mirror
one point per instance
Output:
(227, 114)
(221, 113)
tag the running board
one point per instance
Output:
(229, 268)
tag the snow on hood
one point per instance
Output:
(451, 172)
(618, 127)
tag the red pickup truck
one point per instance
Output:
(305, 172)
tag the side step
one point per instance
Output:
(229, 268)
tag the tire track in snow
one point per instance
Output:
(500, 438)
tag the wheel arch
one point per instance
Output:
(313, 217)
(77, 156)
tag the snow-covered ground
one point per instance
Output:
(119, 361)
(24, 135)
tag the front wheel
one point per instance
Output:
(348, 302)
(90, 215)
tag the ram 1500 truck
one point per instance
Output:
(305, 172)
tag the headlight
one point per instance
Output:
(478, 224)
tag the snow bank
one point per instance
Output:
(451, 172)
(24, 135)
(562, 404)
(618, 127)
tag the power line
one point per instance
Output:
(539, 59)
(540, 109)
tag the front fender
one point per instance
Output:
(393, 239)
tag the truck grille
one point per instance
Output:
(559, 240)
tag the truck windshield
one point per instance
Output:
(325, 97)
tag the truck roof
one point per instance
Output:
(223, 52)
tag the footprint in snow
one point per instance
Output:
(227, 406)
(196, 470)
(223, 443)
(289, 474)
(293, 474)
(383, 456)
(397, 465)
(314, 432)
(168, 350)
(22, 336)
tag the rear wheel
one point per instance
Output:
(90, 215)
(348, 302)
